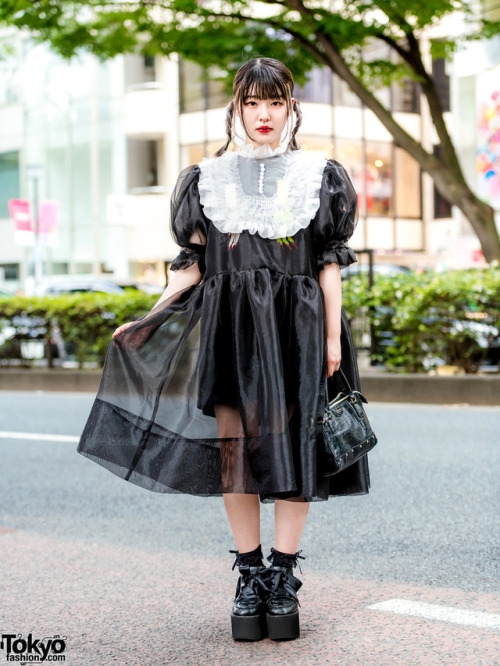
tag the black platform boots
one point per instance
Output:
(282, 605)
(248, 617)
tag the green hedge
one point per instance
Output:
(451, 317)
(86, 321)
(417, 320)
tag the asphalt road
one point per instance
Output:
(134, 577)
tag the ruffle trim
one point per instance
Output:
(292, 207)
(341, 254)
(187, 258)
(261, 152)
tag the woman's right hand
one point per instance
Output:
(121, 328)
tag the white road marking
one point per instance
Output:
(40, 437)
(438, 612)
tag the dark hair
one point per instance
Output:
(263, 78)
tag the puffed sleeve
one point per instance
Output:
(188, 224)
(335, 219)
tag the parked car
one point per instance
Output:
(378, 269)
(71, 284)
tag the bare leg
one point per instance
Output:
(243, 509)
(289, 521)
(243, 512)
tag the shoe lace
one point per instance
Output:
(281, 586)
(251, 585)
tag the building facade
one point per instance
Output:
(107, 140)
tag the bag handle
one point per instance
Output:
(344, 379)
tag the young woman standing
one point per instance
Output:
(218, 390)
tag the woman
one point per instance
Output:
(218, 390)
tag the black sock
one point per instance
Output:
(279, 559)
(251, 559)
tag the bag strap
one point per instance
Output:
(345, 380)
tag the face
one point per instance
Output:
(265, 120)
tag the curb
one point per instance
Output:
(376, 386)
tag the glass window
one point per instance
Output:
(442, 82)
(192, 95)
(442, 207)
(195, 152)
(315, 143)
(406, 96)
(406, 185)
(343, 95)
(379, 52)
(9, 180)
(349, 153)
(142, 163)
(9, 272)
(318, 87)
(378, 177)
(217, 95)
(199, 88)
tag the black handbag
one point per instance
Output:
(345, 430)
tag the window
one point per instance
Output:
(442, 82)
(406, 96)
(142, 163)
(9, 272)
(318, 88)
(343, 95)
(199, 88)
(315, 143)
(378, 178)
(442, 207)
(9, 180)
(349, 153)
(407, 201)
(195, 152)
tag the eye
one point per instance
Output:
(250, 103)
(278, 103)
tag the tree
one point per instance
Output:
(303, 33)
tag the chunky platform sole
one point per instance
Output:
(248, 627)
(283, 627)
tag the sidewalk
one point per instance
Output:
(377, 386)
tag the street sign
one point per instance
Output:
(22, 216)
(24, 224)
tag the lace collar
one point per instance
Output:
(290, 209)
(247, 150)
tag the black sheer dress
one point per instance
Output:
(219, 389)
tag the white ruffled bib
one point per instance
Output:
(281, 215)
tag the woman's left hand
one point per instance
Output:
(333, 356)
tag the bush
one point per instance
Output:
(431, 318)
(86, 320)
(417, 321)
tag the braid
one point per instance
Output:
(229, 129)
(293, 143)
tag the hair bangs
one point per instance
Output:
(263, 83)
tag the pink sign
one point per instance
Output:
(48, 216)
(20, 212)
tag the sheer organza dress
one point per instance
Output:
(219, 388)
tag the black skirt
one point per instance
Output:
(219, 389)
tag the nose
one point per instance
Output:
(263, 112)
